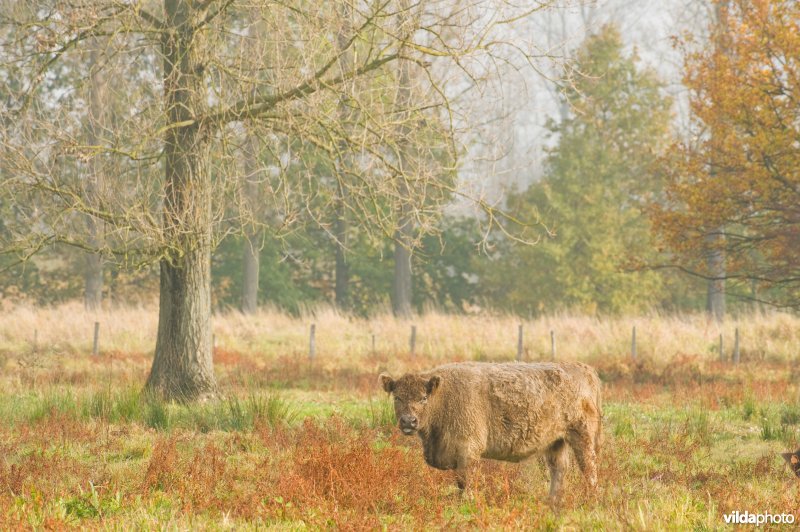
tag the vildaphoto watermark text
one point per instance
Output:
(764, 518)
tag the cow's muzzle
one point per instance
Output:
(408, 424)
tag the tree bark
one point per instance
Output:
(93, 263)
(401, 301)
(402, 290)
(715, 262)
(182, 366)
(93, 273)
(250, 266)
(341, 225)
(342, 273)
(251, 246)
(715, 252)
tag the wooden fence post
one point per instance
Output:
(412, 342)
(633, 343)
(552, 344)
(95, 344)
(373, 343)
(721, 350)
(736, 346)
(519, 343)
(36, 340)
(312, 342)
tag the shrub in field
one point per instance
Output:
(41, 475)
(12, 477)
(200, 476)
(231, 414)
(332, 465)
(623, 428)
(161, 471)
(192, 475)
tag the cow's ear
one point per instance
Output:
(433, 383)
(387, 382)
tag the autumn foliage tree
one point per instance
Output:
(740, 170)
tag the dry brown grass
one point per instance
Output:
(347, 341)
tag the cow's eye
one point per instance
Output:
(424, 400)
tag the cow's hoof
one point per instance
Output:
(554, 502)
(467, 494)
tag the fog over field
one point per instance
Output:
(222, 221)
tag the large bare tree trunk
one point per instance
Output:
(182, 367)
(93, 264)
(251, 246)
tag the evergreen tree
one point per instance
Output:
(598, 177)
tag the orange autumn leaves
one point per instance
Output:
(740, 171)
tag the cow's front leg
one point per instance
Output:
(463, 473)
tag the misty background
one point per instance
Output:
(508, 146)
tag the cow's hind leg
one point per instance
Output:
(557, 461)
(581, 439)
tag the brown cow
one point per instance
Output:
(466, 411)
(793, 459)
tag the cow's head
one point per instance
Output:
(411, 393)
(793, 459)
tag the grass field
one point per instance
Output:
(298, 444)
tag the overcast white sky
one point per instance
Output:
(509, 153)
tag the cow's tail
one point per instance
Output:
(598, 439)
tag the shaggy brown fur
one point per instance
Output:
(466, 411)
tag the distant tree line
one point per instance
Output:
(608, 175)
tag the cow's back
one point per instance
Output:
(510, 411)
(531, 406)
